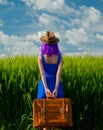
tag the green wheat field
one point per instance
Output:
(82, 79)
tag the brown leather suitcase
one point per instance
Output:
(52, 113)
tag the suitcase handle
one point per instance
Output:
(50, 98)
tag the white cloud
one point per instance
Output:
(12, 44)
(91, 14)
(76, 36)
(3, 2)
(6, 39)
(99, 36)
(98, 27)
(45, 19)
(6, 2)
(91, 18)
(88, 18)
(49, 20)
(28, 2)
(31, 37)
(52, 6)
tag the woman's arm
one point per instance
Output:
(42, 74)
(58, 77)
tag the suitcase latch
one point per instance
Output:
(62, 110)
(43, 110)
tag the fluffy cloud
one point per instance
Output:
(90, 14)
(13, 45)
(92, 18)
(76, 36)
(6, 2)
(88, 22)
(3, 2)
(52, 6)
(56, 6)
(49, 20)
(88, 18)
(99, 36)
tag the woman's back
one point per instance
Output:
(51, 59)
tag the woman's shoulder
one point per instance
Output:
(41, 58)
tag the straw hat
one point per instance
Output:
(49, 38)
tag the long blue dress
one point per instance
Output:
(50, 74)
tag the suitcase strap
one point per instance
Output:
(43, 113)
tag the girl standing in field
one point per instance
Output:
(50, 64)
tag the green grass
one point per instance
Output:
(82, 79)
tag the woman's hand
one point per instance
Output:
(55, 92)
(48, 93)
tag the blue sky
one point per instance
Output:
(78, 24)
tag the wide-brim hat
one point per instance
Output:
(49, 38)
